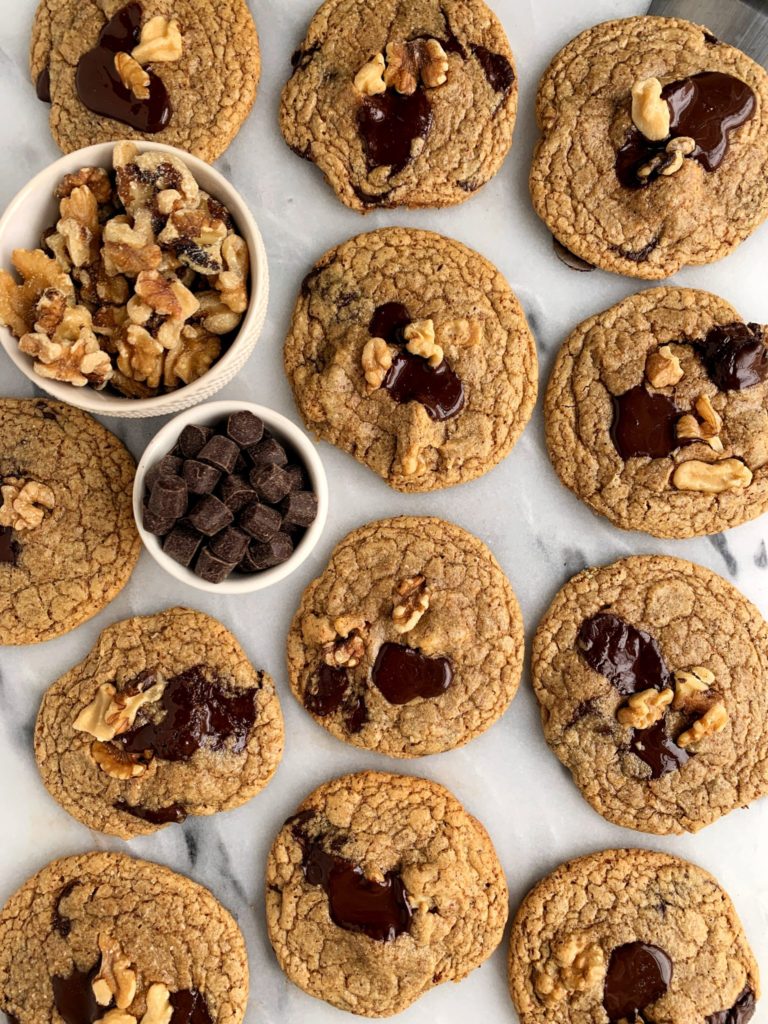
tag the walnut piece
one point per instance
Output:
(710, 723)
(232, 283)
(582, 964)
(346, 651)
(159, 1009)
(113, 712)
(115, 1016)
(689, 682)
(377, 361)
(140, 356)
(662, 368)
(412, 462)
(160, 41)
(79, 226)
(194, 355)
(420, 336)
(369, 80)
(116, 762)
(24, 503)
(644, 709)
(409, 62)
(712, 477)
(412, 604)
(133, 76)
(461, 333)
(116, 981)
(96, 178)
(650, 113)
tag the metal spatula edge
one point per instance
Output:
(742, 23)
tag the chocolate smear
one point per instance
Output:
(172, 814)
(638, 975)
(644, 423)
(403, 674)
(389, 322)
(329, 691)
(439, 388)
(496, 68)
(389, 124)
(61, 923)
(735, 356)
(742, 1010)
(656, 748)
(629, 658)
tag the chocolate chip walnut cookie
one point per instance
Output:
(166, 717)
(379, 888)
(183, 72)
(68, 542)
(631, 936)
(654, 148)
(657, 414)
(411, 642)
(104, 937)
(409, 351)
(402, 103)
(651, 676)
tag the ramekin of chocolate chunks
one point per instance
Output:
(230, 497)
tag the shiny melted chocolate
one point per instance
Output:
(629, 658)
(100, 87)
(742, 1011)
(172, 814)
(43, 85)
(9, 547)
(73, 996)
(389, 322)
(189, 1007)
(61, 923)
(403, 674)
(379, 910)
(496, 68)
(332, 692)
(706, 107)
(735, 356)
(390, 123)
(199, 713)
(638, 975)
(644, 423)
(656, 748)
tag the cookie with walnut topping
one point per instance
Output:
(402, 104)
(631, 935)
(165, 718)
(651, 677)
(105, 937)
(657, 414)
(379, 888)
(654, 147)
(68, 542)
(411, 642)
(181, 72)
(410, 351)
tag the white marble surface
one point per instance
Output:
(539, 532)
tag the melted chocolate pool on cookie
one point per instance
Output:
(403, 674)
(389, 124)
(638, 975)
(100, 87)
(706, 107)
(735, 356)
(644, 423)
(379, 910)
(333, 691)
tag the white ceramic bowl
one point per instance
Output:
(284, 430)
(34, 209)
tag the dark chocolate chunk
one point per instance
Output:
(157, 524)
(168, 497)
(328, 692)
(388, 125)
(439, 389)
(229, 545)
(300, 508)
(260, 521)
(496, 68)
(742, 1011)
(172, 814)
(236, 493)
(270, 482)
(221, 452)
(181, 544)
(638, 975)
(656, 748)
(267, 451)
(644, 423)
(192, 439)
(169, 465)
(210, 515)
(403, 674)
(735, 356)
(296, 477)
(43, 85)
(389, 322)
(189, 1007)
(629, 658)
(200, 477)
(264, 556)
(9, 546)
(211, 568)
(73, 996)
(245, 428)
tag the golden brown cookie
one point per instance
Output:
(654, 148)
(68, 542)
(379, 888)
(182, 72)
(411, 642)
(166, 717)
(657, 414)
(631, 935)
(103, 936)
(402, 103)
(651, 675)
(410, 351)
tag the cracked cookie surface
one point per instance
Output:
(607, 356)
(434, 146)
(693, 620)
(626, 932)
(584, 102)
(394, 587)
(211, 87)
(372, 850)
(143, 935)
(212, 770)
(55, 575)
(477, 323)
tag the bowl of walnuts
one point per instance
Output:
(133, 280)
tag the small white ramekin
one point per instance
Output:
(284, 430)
(34, 210)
